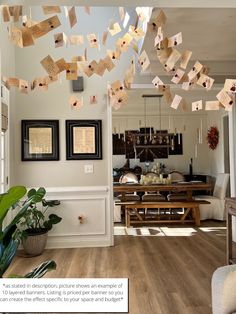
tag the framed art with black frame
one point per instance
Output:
(83, 139)
(39, 140)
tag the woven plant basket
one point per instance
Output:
(35, 244)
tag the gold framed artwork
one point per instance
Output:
(39, 140)
(83, 139)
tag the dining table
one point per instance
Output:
(188, 187)
(190, 205)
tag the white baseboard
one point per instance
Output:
(77, 242)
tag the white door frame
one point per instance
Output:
(232, 159)
(110, 170)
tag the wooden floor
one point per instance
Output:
(167, 274)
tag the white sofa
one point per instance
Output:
(223, 287)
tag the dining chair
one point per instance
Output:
(216, 208)
(176, 176)
(129, 178)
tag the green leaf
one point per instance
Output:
(13, 195)
(51, 203)
(39, 195)
(17, 218)
(47, 224)
(7, 236)
(8, 255)
(54, 219)
(41, 270)
(31, 193)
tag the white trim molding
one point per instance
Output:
(232, 157)
(92, 203)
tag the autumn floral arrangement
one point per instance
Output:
(212, 137)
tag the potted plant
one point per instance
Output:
(10, 236)
(36, 222)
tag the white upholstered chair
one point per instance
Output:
(223, 290)
(215, 210)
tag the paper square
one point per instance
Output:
(92, 39)
(59, 40)
(212, 105)
(176, 101)
(71, 71)
(185, 57)
(114, 28)
(175, 40)
(225, 99)
(172, 60)
(205, 81)
(157, 81)
(75, 103)
(93, 100)
(136, 33)
(195, 70)
(178, 75)
(24, 86)
(144, 60)
(76, 39)
(230, 85)
(72, 17)
(197, 105)
(50, 66)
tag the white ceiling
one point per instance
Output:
(131, 3)
(208, 33)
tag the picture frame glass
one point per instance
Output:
(39, 140)
(83, 139)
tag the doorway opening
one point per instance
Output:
(226, 149)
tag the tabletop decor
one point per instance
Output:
(213, 137)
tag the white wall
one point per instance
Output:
(53, 104)
(66, 180)
(187, 124)
(217, 156)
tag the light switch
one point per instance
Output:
(88, 168)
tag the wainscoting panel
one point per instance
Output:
(81, 217)
(86, 217)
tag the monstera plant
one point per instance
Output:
(10, 235)
(36, 223)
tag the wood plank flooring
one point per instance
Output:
(167, 274)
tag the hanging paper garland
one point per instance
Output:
(212, 137)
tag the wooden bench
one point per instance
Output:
(190, 207)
